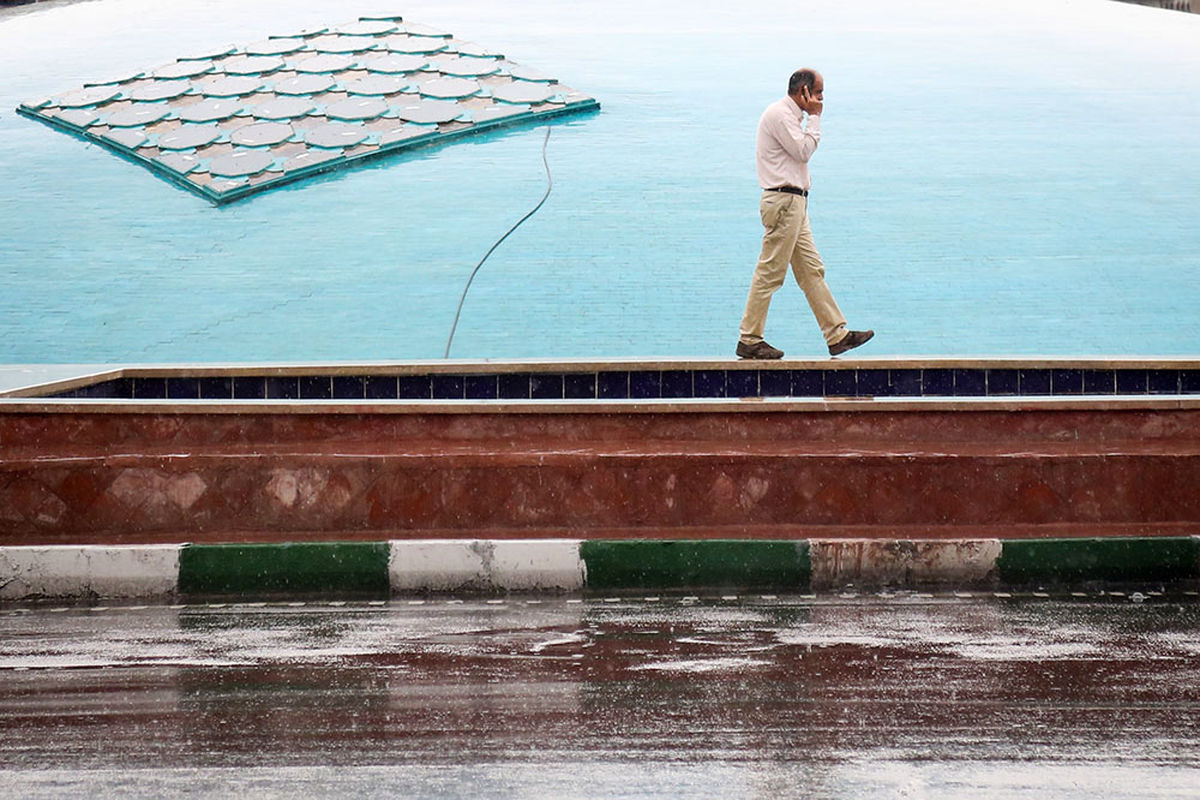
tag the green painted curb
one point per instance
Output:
(322, 568)
(1027, 561)
(698, 564)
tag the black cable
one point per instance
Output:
(461, 300)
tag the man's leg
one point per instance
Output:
(810, 274)
(781, 217)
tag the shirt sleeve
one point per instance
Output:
(799, 139)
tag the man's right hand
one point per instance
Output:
(810, 103)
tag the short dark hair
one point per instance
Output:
(802, 77)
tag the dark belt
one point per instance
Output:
(789, 190)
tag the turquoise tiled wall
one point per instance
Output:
(1016, 178)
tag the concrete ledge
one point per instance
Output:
(349, 568)
(481, 565)
(904, 563)
(380, 569)
(1059, 561)
(709, 564)
(89, 571)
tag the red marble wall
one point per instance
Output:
(73, 477)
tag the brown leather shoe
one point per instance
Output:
(851, 340)
(761, 351)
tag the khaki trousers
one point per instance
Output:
(789, 239)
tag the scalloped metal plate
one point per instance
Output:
(231, 122)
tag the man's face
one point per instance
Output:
(818, 90)
(804, 94)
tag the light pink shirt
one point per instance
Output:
(784, 145)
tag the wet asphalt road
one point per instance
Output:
(835, 696)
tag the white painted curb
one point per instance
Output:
(89, 571)
(512, 565)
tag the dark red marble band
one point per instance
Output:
(121, 477)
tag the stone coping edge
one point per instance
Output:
(567, 566)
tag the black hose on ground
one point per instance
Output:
(461, 300)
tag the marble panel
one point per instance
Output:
(89, 96)
(377, 85)
(231, 86)
(523, 92)
(337, 135)
(419, 45)
(138, 114)
(322, 63)
(449, 88)
(76, 117)
(262, 134)
(283, 109)
(429, 112)
(241, 162)
(357, 108)
(189, 137)
(159, 90)
(125, 137)
(335, 43)
(184, 69)
(305, 84)
(367, 27)
(250, 64)
(394, 63)
(467, 67)
(210, 110)
(274, 47)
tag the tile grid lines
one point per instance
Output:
(655, 384)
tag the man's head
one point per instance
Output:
(806, 80)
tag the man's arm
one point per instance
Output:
(799, 139)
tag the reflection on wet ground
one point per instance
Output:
(747, 697)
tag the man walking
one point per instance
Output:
(786, 141)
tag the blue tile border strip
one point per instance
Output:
(655, 384)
